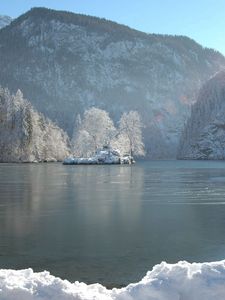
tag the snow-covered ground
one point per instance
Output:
(107, 156)
(181, 281)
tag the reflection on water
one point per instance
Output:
(110, 224)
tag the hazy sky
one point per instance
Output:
(202, 20)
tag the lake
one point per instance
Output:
(110, 224)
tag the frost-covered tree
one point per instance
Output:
(26, 135)
(203, 136)
(121, 143)
(129, 138)
(95, 130)
(83, 146)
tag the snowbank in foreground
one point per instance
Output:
(181, 281)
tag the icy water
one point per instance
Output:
(110, 224)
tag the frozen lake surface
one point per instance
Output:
(110, 224)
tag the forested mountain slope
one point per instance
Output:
(204, 133)
(65, 63)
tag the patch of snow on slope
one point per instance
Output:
(4, 21)
(181, 281)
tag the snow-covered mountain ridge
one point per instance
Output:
(4, 21)
(204, 133)
(65, 63)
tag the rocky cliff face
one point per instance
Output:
(65, 63)
(4, 21)
(204, 133)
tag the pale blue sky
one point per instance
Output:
(202, 20)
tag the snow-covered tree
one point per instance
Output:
(26, 135)
(121, 143)
(95, 130)
(130, 134)
(83, 146)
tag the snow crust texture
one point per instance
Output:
(181, 281)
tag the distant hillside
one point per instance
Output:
(4, 21)
(204, 134)
(65, 63)
(26, 135)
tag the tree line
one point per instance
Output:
(97, 129)
(27, 136)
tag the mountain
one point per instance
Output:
(65, 63)
(26, 135)
(4, 21)
(204, 133)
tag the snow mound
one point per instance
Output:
(181, 281)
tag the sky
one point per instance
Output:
(202, 20)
